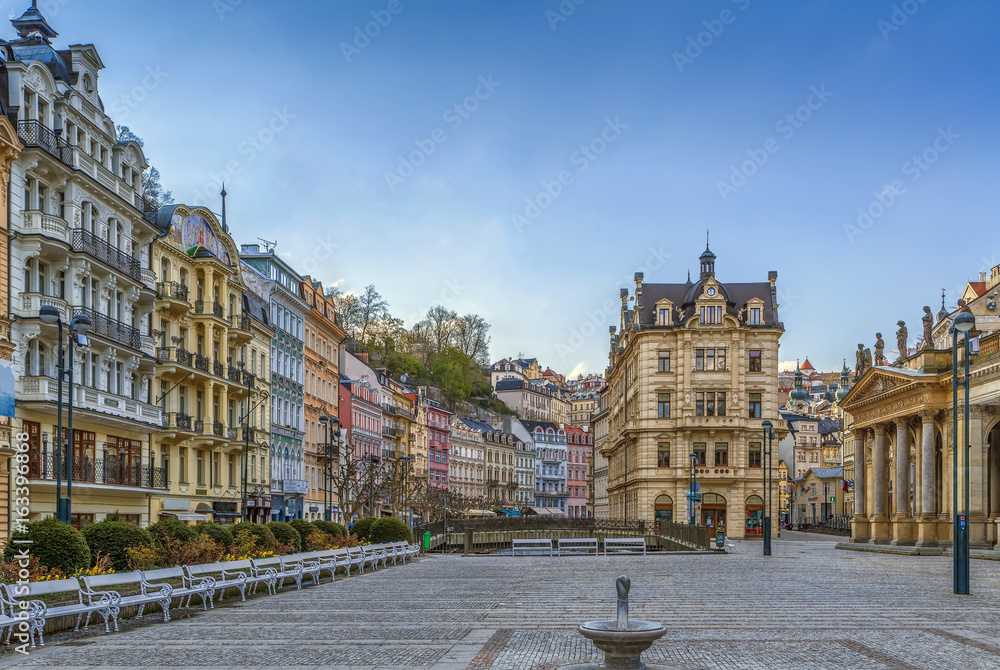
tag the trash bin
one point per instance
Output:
(427, 540)
(720, 539)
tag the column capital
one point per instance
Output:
(982, 411)
(880, 428)
(927, 415)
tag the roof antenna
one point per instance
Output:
(706, 239)
(268, 246)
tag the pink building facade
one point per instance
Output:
(579, 450)
(438, 443)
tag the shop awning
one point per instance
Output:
(546, 511)
(480, 512)
(185, 516)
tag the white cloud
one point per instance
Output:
(787, 366)
(579, 369)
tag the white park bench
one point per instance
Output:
(94, 586)
(375, 553)
(203, 587)
(320, 561)
(105, 604)
(310, 568)
(576, 545)
(730, 544)
(624, 544)
(242, 575)
(530, 547)
(358, 557)
(12, 617)
(412, 550)
(283, 570)
(349, 558)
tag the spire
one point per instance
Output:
(944, 310)
(32, 21)
(225, 226)
(798, 393)
(689, 276)
(707, 261)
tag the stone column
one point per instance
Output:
(879, 520)
(977, 477)
(859, 529)
(927, 526)
(902, 523)
(994, 478)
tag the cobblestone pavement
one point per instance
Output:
(808, 606)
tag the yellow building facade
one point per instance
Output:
(213, 363)
(693, 370)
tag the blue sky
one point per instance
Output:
(505, 216)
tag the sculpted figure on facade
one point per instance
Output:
(928, 320)
(879, 349)
(901, 338)
(859, 363)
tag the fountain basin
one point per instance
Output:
(622, 648)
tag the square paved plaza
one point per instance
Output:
(808, 606)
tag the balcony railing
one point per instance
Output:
(201, 362)
(172, 290)
(218, 369)
(108, 470)
(92, 245)
(32, 302)
(37, 134)
(177, 420)
(112, 329)
(44, 389)
(209, 307)
(219, 429)
(240, 321)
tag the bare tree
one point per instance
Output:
(359, 313)
(472, 338)
(439, 327)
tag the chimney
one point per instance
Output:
(982, 277)
(250, 249)
(508, 423)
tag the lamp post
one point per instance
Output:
(404, 486)
(78, 327)
(245, 421)
(373, 461)
(692, 496)
(327, 460)
(768, 482)
(964, 323)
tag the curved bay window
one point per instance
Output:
(754, 516)
(663, 509)
(713, 511)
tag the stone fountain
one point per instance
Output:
(621, 640)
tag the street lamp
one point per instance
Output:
(405, 460)
(245, 421)
(692, 495)
(373, 461)
(78, 327)
(328, 451)
(964, 322)
(768, 483)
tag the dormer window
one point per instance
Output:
(88, 83)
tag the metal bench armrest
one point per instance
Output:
(237, 575)
(163, 590)
(104, 598)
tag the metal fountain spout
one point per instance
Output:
(623, 584)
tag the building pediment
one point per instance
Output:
(874, 383)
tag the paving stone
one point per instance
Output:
(809, 605)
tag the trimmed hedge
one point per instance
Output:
(305, 528)
(54, 544)
(330, 528)
(362, 527)
(390, 529)
(111, 537)
(217, 532)
(172, 528)
(285, 533)
(265, 538)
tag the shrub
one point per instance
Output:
(362, 527)
(389, 529)
(143, 557)
(304, 527)
(330, 528)
(286, 534)
(202, 549)
(11, 572)
(265, 540)
(55, 544)
(111, 538)
(217, 532)
(246, 546)
(319, 541)
(167, 528)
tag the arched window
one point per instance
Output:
(754, 516)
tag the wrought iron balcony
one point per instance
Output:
(108, 470)
(240, 321)
(218, 369)
(177, 420)
(201, 362)
(172, 290)
(112, 329)
(86, 242)
(37, 134)
(209, 307)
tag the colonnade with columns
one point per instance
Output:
(904, 478)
